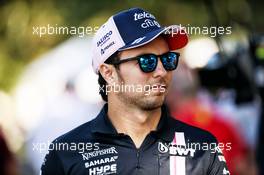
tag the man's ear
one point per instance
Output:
(107, 71)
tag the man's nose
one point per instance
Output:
(160, 70)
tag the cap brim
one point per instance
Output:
(175, 36)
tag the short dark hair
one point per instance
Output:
(101, 81)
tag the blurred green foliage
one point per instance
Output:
(18, 46)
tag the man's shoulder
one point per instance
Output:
(80, 133)
(191, 132)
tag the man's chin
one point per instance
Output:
(153, 102)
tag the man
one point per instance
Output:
(134, 133)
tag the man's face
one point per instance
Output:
(151, 88)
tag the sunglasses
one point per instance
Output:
(149, 62)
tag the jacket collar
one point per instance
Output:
(102, 124)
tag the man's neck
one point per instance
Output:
(133, 121)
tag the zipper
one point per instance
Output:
(159, 164)
(138, 154)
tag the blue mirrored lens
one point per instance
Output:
(148, 63)
(170, 61)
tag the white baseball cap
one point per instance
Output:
(130, 29)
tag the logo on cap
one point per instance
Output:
(137, 40)
(105, 38)
(107, 47)
(149, 20)
(142, 16)
(149, 23)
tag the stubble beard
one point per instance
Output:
(140, 99)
